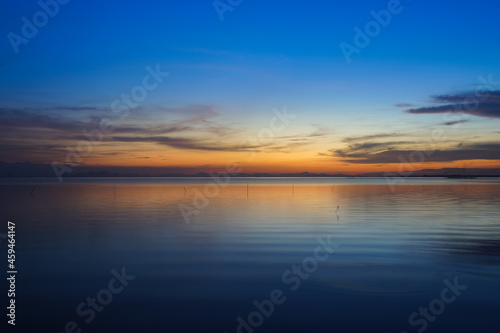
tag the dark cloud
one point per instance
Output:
(451, 123)
(360, 150)
(211, 143)
(468, 97)
(481, 104)
(56, 119)
(363, 155)
(185, 143)
(39, 134)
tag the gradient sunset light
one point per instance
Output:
(425, 83)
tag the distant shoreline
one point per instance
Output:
(255, 176)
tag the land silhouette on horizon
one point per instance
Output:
(27, 169)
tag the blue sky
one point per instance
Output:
(263, 55)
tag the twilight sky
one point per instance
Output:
(279, 86)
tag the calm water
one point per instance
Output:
(385, 254)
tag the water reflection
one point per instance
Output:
(395, 250)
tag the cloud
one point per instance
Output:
(320, 131)
(363, 154)
(287, 148)
(468, 97)
(360, 150)
(16, 118)
(481, 104)
(41, 133)
(369, 137)
(186, 143)
(403, 105)
(451, 123)
(151, 121)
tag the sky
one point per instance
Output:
(276, 86)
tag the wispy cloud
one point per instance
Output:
(55, 118)
(187, 143)
(370, 137)
(12, 120)
(320, 131)
(451, 123)
(31, 133)
(360, 150)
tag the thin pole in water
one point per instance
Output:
(114, 191)
(33, 189)
(247, 190)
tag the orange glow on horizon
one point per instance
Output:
(195, 164)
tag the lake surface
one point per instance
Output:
(258, 255)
